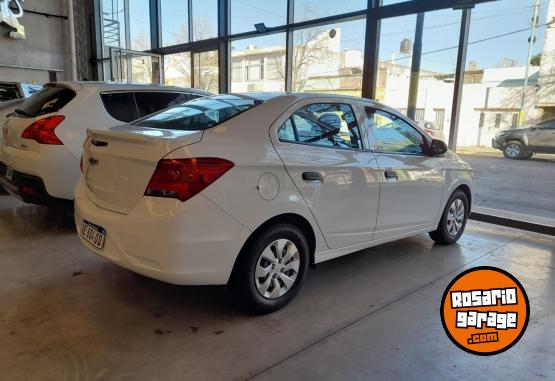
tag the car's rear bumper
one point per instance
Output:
(54, 166)
(193, 243)
(28, 188)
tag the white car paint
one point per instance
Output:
(58, 165)
(197, 241)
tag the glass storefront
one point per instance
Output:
(320, 46)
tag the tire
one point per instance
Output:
(447, 232)
(514, 150)
(269, 291)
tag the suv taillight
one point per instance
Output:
(42, 131)
(184, 178)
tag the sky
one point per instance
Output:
(441, 28)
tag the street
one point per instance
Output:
(521, 186)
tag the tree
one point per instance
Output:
(536, 60)
(310, 48)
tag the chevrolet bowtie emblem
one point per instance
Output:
(93, 162)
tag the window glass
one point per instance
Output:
(314, 9)
(392, 134)
(46, 101)
(8, 92)
(113, 23)
(205, 19)
(547, 124)
(324, 124)
(258, 64)
(199, 114)
(329, 58)
(150, 102)
(174, 17)
(206, 71)
(177, 69)
(139, 24)
(286, 132)
(120, 106)
(246, 13)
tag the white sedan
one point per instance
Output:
(252, 189)
(41, 143)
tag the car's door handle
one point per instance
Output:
(313, 176)
(391, 175)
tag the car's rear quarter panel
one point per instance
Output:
(245, 141)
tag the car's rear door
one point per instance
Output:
(412, 183)
(321, 144)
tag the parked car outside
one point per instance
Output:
(252, 189)
(17, 90)
(523, 143)
(42, 140)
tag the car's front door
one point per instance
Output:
(322, 149)
(542, 138)
(412, 183)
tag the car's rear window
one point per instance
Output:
(199, 114)
(8, 92)
(49, 100)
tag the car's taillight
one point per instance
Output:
(184, 178)
(42, 131)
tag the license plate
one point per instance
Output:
(93, 234)
(9, 173)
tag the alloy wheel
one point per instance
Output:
(455, 217)
(513, 150)
(277, 269)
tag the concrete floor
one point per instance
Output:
(68, 315)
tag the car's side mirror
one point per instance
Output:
(438, 148)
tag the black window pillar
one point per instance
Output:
(415, 68)
(459, 78)
(371, 51)
(289, 48)
(155, 34)
(224, 60)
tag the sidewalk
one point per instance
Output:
(485, 151)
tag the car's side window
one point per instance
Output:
(152, 101)
(120, 106)
(392, 134)
(286, 132)
(323, 124)
(547, 125)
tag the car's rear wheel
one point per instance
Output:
(453, 220)
(514, 150)
(271, 269)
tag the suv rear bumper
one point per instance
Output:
(28, 188)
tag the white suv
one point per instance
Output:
(251, 189)
(41, 143)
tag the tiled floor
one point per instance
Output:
(66, 314)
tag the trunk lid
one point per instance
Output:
(118, 164)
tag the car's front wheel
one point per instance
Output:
(514, 150)
(271, 269)
(453, 220)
